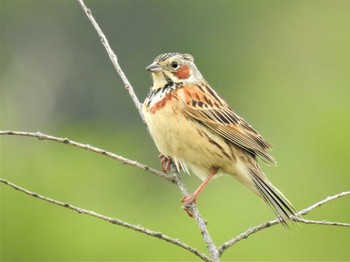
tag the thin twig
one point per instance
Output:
(174, 178)
(320, 203)
(113, 57)
(211, 246)
(115, 221)
(177, 242)
(67, 141)
(321, 222)
(214, 252)
(246, 234)
(296, 218)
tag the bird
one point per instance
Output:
(194, 128)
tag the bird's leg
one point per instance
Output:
(165, 162)
(189, 199)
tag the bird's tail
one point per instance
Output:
(273, 197)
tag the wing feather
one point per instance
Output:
(205, 106)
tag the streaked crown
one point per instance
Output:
(174, 68)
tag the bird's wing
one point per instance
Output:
(205, 106)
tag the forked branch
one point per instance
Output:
(175, 180)
(114, 221)
(181, 244)
(215, 252)
(193, 208)
(296, 218)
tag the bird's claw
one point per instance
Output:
(187, 201)
(166, 161)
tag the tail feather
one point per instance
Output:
(273, 197)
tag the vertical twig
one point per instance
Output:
(214, 252)
(205, 233)
(113, 57)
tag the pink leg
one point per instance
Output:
(189, 199)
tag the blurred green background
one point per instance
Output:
(283, 65)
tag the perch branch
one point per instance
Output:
(296, 218)
(215, 252)
(115, 221)
(113, 57)
(174, 178)
(215, 256)
(67, 141)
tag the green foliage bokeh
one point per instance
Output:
(283, 65)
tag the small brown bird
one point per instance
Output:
(195, 128)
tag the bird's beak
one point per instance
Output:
(154, 68)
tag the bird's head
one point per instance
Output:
(174, 68)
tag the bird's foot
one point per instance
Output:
(166, 161)
(187, 201)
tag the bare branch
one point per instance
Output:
(296, 218)
(246, 234)
(113, 57)
(214, 252)
(114, 221)
(196, 214)
(174, 178)
(212, 248)
(320, 203)
(210, 244)
(321, 222)
(67, 141)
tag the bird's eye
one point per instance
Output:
(174, 65)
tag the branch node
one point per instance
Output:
(158, 234)
(39, 135)
(114, 221)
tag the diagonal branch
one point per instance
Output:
(321, 222)
(206, 236)
(320, 203)
(174, 178)
(97, 150)
(215, 252)
(295, 218)
(215, 256)
(114, 221)
(247, 233)
(113, 57)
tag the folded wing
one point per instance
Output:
(205, 106)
